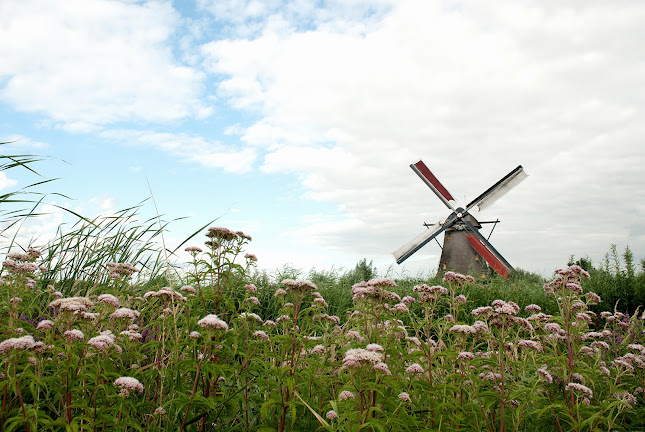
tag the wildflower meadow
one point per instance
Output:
(131, 343)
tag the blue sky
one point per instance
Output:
(296, 121)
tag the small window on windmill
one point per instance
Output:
(444, 266)
(476, 257)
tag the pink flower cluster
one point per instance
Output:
(375, 289)
(128, 384)
(212, 322)
(299, 285)
(21, 343)
(165, 293)
(120, 270)
(457, 279)
(357, 357)
(108, 299)
(125, 313)
(429, 293)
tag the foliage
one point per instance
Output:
(230, 348)
(617, 279)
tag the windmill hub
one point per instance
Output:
(465, 249)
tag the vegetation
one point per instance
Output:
(98, 331)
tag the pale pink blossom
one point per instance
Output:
(465, 355)
(506, 308)
(530, 344)
(128, 384)
(102, 342)
(45, 325)
(261, 334)
(188, 288)
(627, 398)
(299, 285)
(408, 300)
(353, 334)
(331, 415)
(21, 343)
(251, 316)
(125, 313)
(405, 397)
(160, 411)
(380, 366)
(74, 335)
(108, 299)
(346, 394)
(490, 376)
(415, 340)
(600, 345)
(545, 374)
(131, 334)
(579, 388)
(211, 321)
(318, 349)
(253, 300)
(533, 308)
(414, 368)
(72, 304)
(463, 329)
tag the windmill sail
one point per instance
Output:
(405, 251)
(498, 190)
(433, 183)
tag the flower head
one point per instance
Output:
(125, 313)
(414, 368)
(346, 394)
(211, 321)
(299, 285)
(108, 299)
(21, 343)
(45, 325)
(74, 335)
(128, 384)
(331, 415)
(579, 388)
(405, 397)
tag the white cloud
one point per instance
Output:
(6, 182)
(89, 63)
(190, 148)
(474, 90)
(15, 142)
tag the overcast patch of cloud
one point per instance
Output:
(85, 64)
(474, 90)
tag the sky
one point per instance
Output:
(296, 121)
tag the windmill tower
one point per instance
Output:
(464, 249)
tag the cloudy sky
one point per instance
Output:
(296, 121)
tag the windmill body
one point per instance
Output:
(465, 249)
(457, 254)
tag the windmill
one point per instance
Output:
(464, 247)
